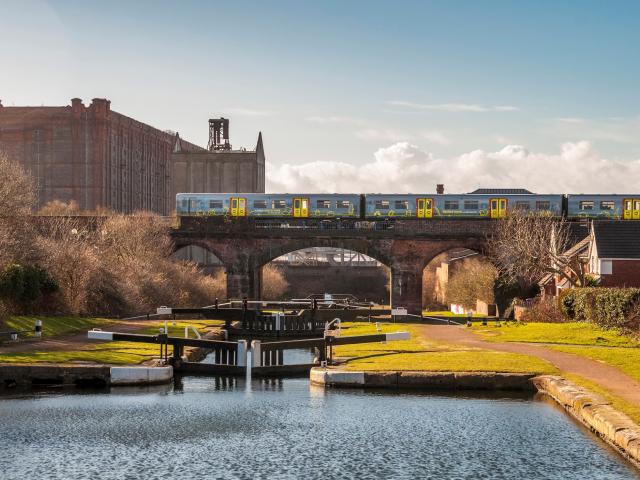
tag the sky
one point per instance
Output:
(357, 96)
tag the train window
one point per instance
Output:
(279, 204)
(522, 205)
(323, 204)
(382, 204)
(471, 205)
(402, 204)
(343, 204)
(543, 205)
(259, 204)
(193, 204)
(607, 205)
(215, 204)
(451, 204)
(586, 205)
(184, 204)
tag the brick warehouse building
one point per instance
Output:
(101, 158)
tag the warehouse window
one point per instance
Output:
(402, 204)
(471, 205)
(586, 205)
(607, 205)
(259, 204)
(451, 205)
(543, 205)
(522, 205)
(215, 204)
(279, 204)
(382, 204)
(343, 204)
(323, 204)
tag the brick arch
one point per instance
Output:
(363, 246)
(183, 243)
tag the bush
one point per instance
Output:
(24, 285)
(544, 310)
(606, 307)
(473, 280)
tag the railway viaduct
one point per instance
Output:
(405, 246)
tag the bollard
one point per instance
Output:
(14, 336)
(38, 329)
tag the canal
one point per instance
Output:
(225, 428)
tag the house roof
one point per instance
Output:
(617, 239)
(501, 191)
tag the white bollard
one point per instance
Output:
(38, 330)
(256, 353)
(241, 358)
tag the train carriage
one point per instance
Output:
(269, 205)
(598, 206)
(462, 205)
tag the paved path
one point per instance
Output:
(608, 377)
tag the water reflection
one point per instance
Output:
(202, 427)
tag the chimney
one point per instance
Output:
(1, 104)
(101, 106)
(440, 188)
(76, 106)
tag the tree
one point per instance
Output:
(526, 246)
(17, 200)
(472, 280)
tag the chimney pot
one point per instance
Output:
(440, 188)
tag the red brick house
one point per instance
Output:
(614, 253)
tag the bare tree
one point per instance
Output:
(526, 246)
(17, 199)
(472, 280)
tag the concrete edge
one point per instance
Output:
(596, 413)
(140, 375)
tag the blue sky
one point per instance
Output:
(459, 92)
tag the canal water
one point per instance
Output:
(227, 428)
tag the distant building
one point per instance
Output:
(614, 253)
(101, 158)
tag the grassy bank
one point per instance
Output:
(572, 333)
(418, 353)
(53, 326)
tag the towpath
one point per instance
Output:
(608, 377)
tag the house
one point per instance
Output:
(614, 253)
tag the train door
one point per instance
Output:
(301, 207)
(498, 207)
(631, 209)
(238, 207)
(424, 207)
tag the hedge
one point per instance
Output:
(606, 307)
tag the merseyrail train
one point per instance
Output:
(494, 204)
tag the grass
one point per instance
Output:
(418, 353)
(446, 313)
(117, 353)
(628, 408)
(573, 333)
(53, 326)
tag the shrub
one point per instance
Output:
(24, 285)
(545, 310)
(606, 307)
(473, 280)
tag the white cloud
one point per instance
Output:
(247, 112)
(403, 167)
(452, 107)
(336, 120)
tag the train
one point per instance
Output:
(492, 204)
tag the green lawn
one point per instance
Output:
(446, 313)
(53, 326)
(575, 333)
(418, 353)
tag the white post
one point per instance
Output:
(38, 330)
(241, 353)
(256, 353)
(277, 322)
